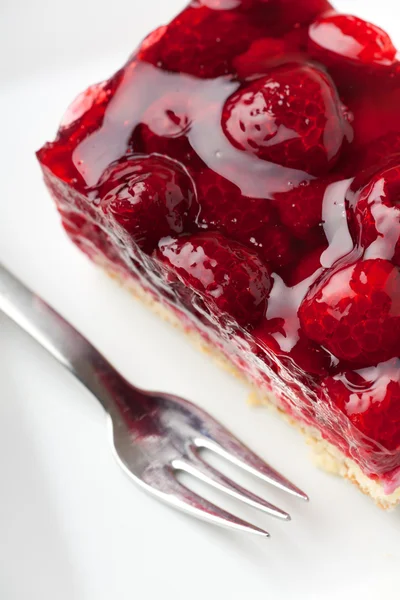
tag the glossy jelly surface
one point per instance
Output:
(245, 162)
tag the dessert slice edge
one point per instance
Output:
(325, 455)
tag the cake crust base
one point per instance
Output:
(325, 455)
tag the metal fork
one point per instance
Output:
(155, 436)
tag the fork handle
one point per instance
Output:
(63, 342)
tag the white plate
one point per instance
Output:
(73, 527)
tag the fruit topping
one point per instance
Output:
(252, 221)
(300, 208)
(292, 117)
(373, 207)
(262, 54)
(147, 197)
(201, 42)
(371, 400)
(231, 279)
(337, 36)
(244, 164)
(354, 312)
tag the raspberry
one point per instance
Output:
(373, 406)
(201, 42)
(278, 15)
(281, 16)
(350, 38)
(260, 56)
(267, 52)
(229, 278)
(251, 221)
(293, 12)
(354, 312)
(148, 197)
(291, 117)
(373, 209)
(300, 208)
(224, 206)
(278, 247)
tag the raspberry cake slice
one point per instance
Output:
(241, 174)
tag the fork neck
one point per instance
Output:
(71, 349)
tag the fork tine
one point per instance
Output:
(206, 473)
(238, 454)
(185, 499)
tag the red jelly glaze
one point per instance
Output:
(230, 278)
(245, 163)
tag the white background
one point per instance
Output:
(72, 526)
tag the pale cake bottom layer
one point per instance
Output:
(325, 454)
